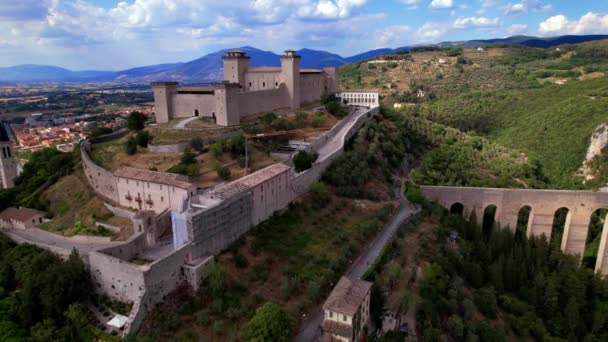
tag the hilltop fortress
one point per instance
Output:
(245, 90)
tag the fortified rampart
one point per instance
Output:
(102, 181)
(543, 205)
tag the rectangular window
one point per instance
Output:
(331, 314)
(344, 318)
(162, 199)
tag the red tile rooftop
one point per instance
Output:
(347, 296)
(22, 214)
(171, 179)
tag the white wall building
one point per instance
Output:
(346, 311)
(363, 98)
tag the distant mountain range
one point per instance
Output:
(209, 67)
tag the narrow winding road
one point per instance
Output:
(310, 328)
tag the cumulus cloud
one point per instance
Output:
(462, 23)
(441, 4)
(430, 32)
(590, 23)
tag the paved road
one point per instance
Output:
(337, 142)
(182, 124)
(55, 242)
(310, 330)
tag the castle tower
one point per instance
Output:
(163, 100)
(235, 66)
(8, 162)
(290, 72)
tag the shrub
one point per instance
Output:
(188, 157)
(320, 194)
(223, 171)
(197, 144)
(136, 121)
(413, 194)
(270, 323)
(131, 146)
(216, 150)
(303, 160)
(142, 138)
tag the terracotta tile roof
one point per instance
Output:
(167, 178)
(347, 296)
(333, 327)
(22, 214)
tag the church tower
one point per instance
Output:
(8, 163)
(235, 66)
(290, 72)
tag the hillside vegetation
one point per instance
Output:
(544, 102)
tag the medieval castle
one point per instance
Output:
(245, 90)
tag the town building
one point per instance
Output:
(151, 190)
(9, 168)
(22, 218)
(346, 311)
(245, 91)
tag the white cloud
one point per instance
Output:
(489, 3)
(441, 4)
(430, 32)
(518, 8)
(517, 29)
(411, 4)
(590, 23)
(525, 6)
(393, 36)
(463, 23)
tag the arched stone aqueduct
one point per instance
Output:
(543, 204)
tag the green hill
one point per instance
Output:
(545, 102)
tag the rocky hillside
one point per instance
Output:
(546, 102)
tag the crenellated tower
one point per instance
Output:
(290, 73)
(235, 66)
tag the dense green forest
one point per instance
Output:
(42, 297)
(495, 285)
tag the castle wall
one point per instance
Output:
(257, 80)
(185, 105)
(101, 180)
(270, 196)
(254, 102)
(213, 230)
(117, 278)
(312, 87)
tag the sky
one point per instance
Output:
(115, 35)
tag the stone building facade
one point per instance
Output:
(8, 163)
(245, 90)
(346, 311)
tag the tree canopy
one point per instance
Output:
(269, 324)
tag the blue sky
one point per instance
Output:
(113, 35)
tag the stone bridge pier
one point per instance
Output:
(542, 205)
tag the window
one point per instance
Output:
(344, 318)
(162, 199)
(250, 84)
(263, 84)
(161, 186)
(331, 314)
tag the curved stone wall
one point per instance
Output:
(102, 180)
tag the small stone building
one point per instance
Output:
(22, 218)
(346, 311)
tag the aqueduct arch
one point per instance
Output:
(543, 205)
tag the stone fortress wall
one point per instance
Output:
(207, 227)
(543, 205)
